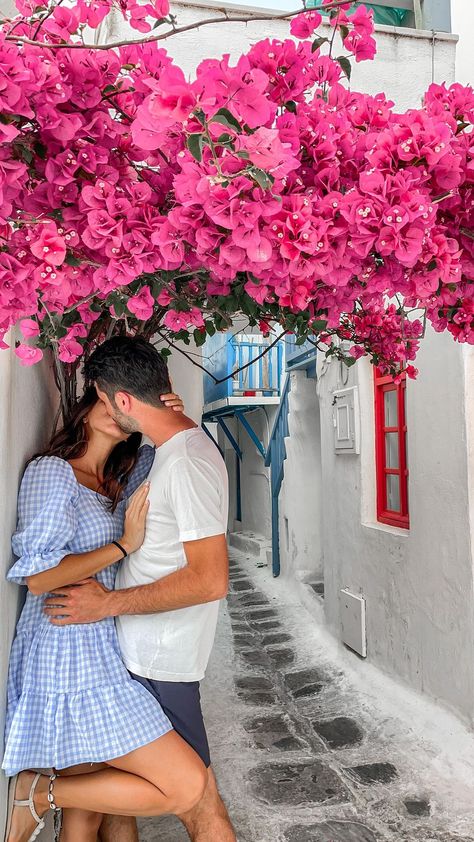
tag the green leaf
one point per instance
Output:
(318, 42)
(199, 337)
(40, 150)
(291, 106)
(165, 352)
(226, 118)
(319, 324)
(194, 143)
(110, 89)
(243, 154)
(210, 328)
(345, 65)
(263, 179)
(349, 361)
(200, 116)
(70, 260)
(344, 31)
(26, 154)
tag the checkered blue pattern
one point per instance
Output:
(70, 697)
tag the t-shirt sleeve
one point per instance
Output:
(195, 494)
(47, 517)
(141, 469)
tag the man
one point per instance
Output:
(167, 593)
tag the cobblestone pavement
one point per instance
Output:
(310, 744)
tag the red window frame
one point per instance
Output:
(382, 385)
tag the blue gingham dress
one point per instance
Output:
(70, 697)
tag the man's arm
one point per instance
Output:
(204, 579)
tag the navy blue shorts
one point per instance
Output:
(181, 701)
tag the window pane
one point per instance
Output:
(390, 408)
(393, 492)
(391, 450)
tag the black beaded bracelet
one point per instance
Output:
(125, 554)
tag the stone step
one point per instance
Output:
(251, 544)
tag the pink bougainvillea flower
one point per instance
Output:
(303, 26)
(29, 328)
(50, 245)
(141, 305)
(29, 356)
(69, 350)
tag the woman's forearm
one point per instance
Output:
(74, 568)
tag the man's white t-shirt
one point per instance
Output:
(188, 501)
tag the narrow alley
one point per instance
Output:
(311, 744)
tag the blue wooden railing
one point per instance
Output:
(275, 459)
(225, 353)
(299, 356)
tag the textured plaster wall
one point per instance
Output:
(27, 403)
(302, 489)
(418, 583)
(254, 476)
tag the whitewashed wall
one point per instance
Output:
(300, 503)
(418, 582)
(463, 24)
(26, 414)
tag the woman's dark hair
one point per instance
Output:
(129, 364)
(70, 442)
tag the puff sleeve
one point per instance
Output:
(47, 517)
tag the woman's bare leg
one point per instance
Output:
(166, 776)
(80, 824)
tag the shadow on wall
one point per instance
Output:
(27, 408)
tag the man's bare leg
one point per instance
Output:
(209, 821)
(118, 829)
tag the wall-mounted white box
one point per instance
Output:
(346, 420)
(353, 626)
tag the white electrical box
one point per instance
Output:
(353, 626)
(346, 420)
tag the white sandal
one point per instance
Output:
(13, 802)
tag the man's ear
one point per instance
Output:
(124, 402)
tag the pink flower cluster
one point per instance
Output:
(128, 188)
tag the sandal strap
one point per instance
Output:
(31, 802)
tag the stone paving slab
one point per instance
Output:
(309, 782)
(330, 832)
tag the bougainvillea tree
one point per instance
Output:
(134, 199)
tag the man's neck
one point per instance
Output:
(161, 425)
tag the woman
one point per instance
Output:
(71, 700)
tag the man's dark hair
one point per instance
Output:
(129, 364)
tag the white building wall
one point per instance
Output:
(256, 510)
(301, 492)
(28, 403)
(417, 582)
(463, 24)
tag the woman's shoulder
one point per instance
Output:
(46, 469)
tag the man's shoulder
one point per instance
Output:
(197, 454)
